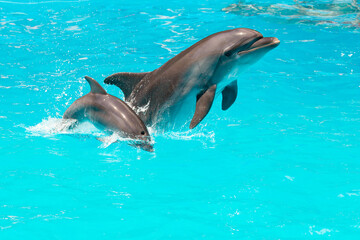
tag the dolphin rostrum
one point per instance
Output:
(105, 110)
(194, 76)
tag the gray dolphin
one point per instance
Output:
(194, 76)
(105, 110)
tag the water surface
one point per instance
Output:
(281, 163)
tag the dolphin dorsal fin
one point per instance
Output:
(126, 81)
(95, 86)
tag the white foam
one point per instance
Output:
(55, 126)
(110, 139)
(190, 135)
(142, 109)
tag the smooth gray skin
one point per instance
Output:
(108, 111)
(194, 77)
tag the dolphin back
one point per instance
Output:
(77, 109)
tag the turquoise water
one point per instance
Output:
(281, 163)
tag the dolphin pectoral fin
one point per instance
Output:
(229, 95)
(126, 81)
(203, 106)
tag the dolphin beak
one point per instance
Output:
(147, 146)
(144, 143)
(263, 43)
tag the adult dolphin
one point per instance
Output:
(107, 111)
(197, 74)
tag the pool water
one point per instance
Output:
(282, 163)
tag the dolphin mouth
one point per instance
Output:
(144, 143)
(145, 146)
(262, 43)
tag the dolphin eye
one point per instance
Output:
(142, 133)
(228, 53)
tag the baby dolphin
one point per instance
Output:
(108, 111)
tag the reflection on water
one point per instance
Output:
(332, 13)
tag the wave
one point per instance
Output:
(335, 13)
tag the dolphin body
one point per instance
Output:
(189, 82)
(105, 110)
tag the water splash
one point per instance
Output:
(57, 126)
(190, 135)
(141, 109)
(51, 127)
(110, 139)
